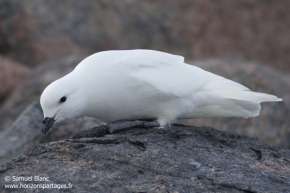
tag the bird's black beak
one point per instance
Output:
(47, 123)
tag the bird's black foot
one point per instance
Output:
(121, 125)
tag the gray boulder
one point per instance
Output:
(26, 131)
(32, 86)
(176, 159)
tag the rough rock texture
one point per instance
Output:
(178, 159)
(37, 31)
(273, 123)
(26, 131)
(11, 75)
(32, 87)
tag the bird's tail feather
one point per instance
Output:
(250, 109)
(232, 103)
(245, 95)
(247, 100)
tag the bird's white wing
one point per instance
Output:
(163, 72)
(169, 74)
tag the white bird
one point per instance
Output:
(145, 85)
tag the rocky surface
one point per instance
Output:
(38, 31)
(32, 86)
(26, 131)
(176, 159)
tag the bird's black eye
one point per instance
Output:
(62, 99)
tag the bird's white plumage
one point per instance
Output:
(147, 84)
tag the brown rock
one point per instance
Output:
(38, 31)
(11, 75)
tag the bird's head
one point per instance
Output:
(59, 101)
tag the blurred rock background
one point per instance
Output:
(244, 40)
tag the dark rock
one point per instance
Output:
(32, 87)
(26, 131)
(93, 132)
(22, 134)
(176, 159)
